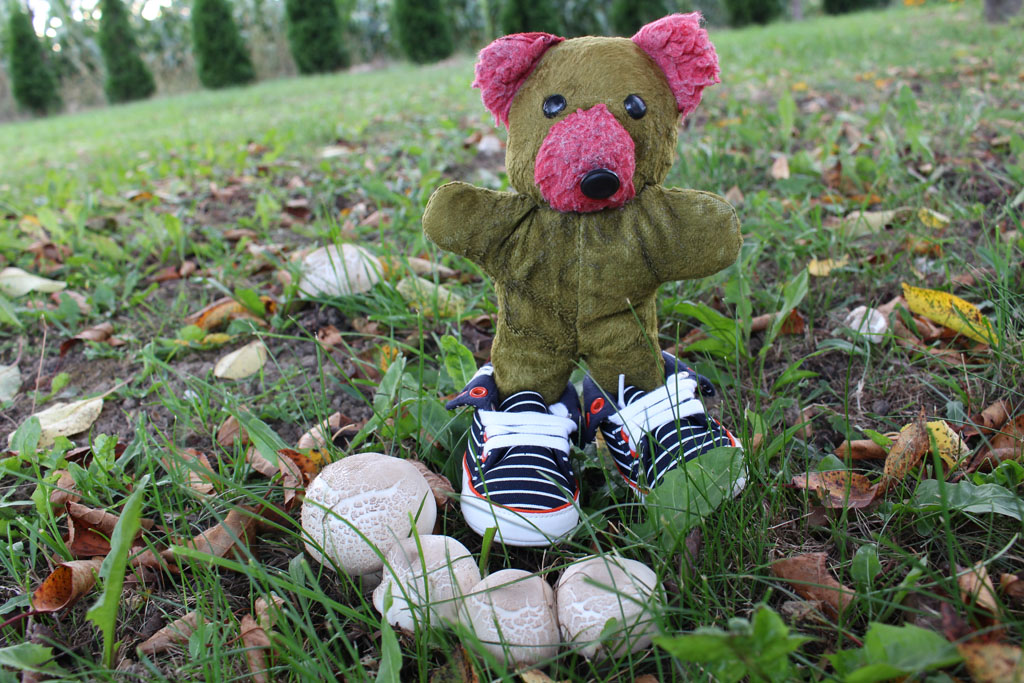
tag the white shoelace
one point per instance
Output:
(669, 403)
(503, 430)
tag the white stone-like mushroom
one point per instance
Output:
(597, 589)
(338, 271)
(359, 506)
(427, 577)
(513, 614)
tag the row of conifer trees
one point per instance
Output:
(421, 28)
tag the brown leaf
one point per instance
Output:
(861, 449)
(200, 471)
(811, 579)
(439, 485)
(256, 641)
(976, 588)
(839, 488)
(298, 208)
(328, 337)
(794, 323)
(780, 167)
(990, 419)
(1013, 586)
(231, 431)
(1011, 436)
(265, 614)
(734, 195)
(906, 453)
(175, 633)
(992, 662)
(98, 333)
(64, 491)
(224, 310)
(65, 585)
(236, 528)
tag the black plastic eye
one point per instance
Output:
(553, 105)
(635, 106)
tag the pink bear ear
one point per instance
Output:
(681, 48)
(505, 64)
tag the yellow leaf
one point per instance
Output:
(946, 443)
(858, 223)
(65, 419)
(822, 267)
(950, 311)
(217, 338)
(243, 362)
(906, 452)
(932, 219)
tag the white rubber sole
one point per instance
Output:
(523, 529)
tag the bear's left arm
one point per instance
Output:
(688, 234)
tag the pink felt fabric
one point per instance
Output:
(681, 48)
(505, 64)
(581, 142)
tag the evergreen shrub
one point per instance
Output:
(844, 6)
(128, 77)
(32, 82)
(627, 16)
(525, 16)
(314, 35)
(423, 30)
(742, 12)
(221, 56)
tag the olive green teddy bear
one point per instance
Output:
(577, 254)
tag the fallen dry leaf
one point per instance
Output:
(231, 431)
(236, 529)
(439, 485)
(1013, 586)
(946, 443)
(104, 332)
(429, 298)
(990, 419)
(839, 489)
(810, 578)
(992, 662)
(197, 465)
(932, 219)
(68, 582)
(990, 459)
(860, 449)
(15, 282)
(224, 310)
(822, 267)
(10, 382)
(89, 530)
(910, 446)
(794, 323)
(256, 641)
(734, 195)
(65, 419)
(329, 336)
(393, 266)
(858, 223)
(175, 633)
(339, 271)
(780, 168)
(1010, 436)
(976, 588)
(243, 362)
(950, 311)
(64, 491)
(267, 611)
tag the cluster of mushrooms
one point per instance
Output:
(368, 504)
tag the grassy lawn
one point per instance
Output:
(152, 211)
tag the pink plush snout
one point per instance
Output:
(586, 162)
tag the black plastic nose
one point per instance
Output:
(599, 184)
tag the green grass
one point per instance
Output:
(932, 95)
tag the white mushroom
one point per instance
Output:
(338, 271)
(427, 577)
(358, 506)
(597, 589)
(512, 613)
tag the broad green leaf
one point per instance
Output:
(25, 441)
(265, 439)
(8, 316)
(31, 657)
(689, 493)
(104, 612)
(865, 564)
(458, 361)
(251, 300)
(965, 496)
(894, 651)
(793, 292)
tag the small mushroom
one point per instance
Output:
(597, 589)
(512, 613)
(360, 505)
(427, 577)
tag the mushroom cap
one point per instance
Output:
(596, 589)
(428, 585)
(339, 271)
(363, 503)
(512, 612)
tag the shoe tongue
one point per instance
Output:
(524, 402)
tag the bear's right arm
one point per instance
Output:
(474, 222)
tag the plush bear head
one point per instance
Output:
(592, 121)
